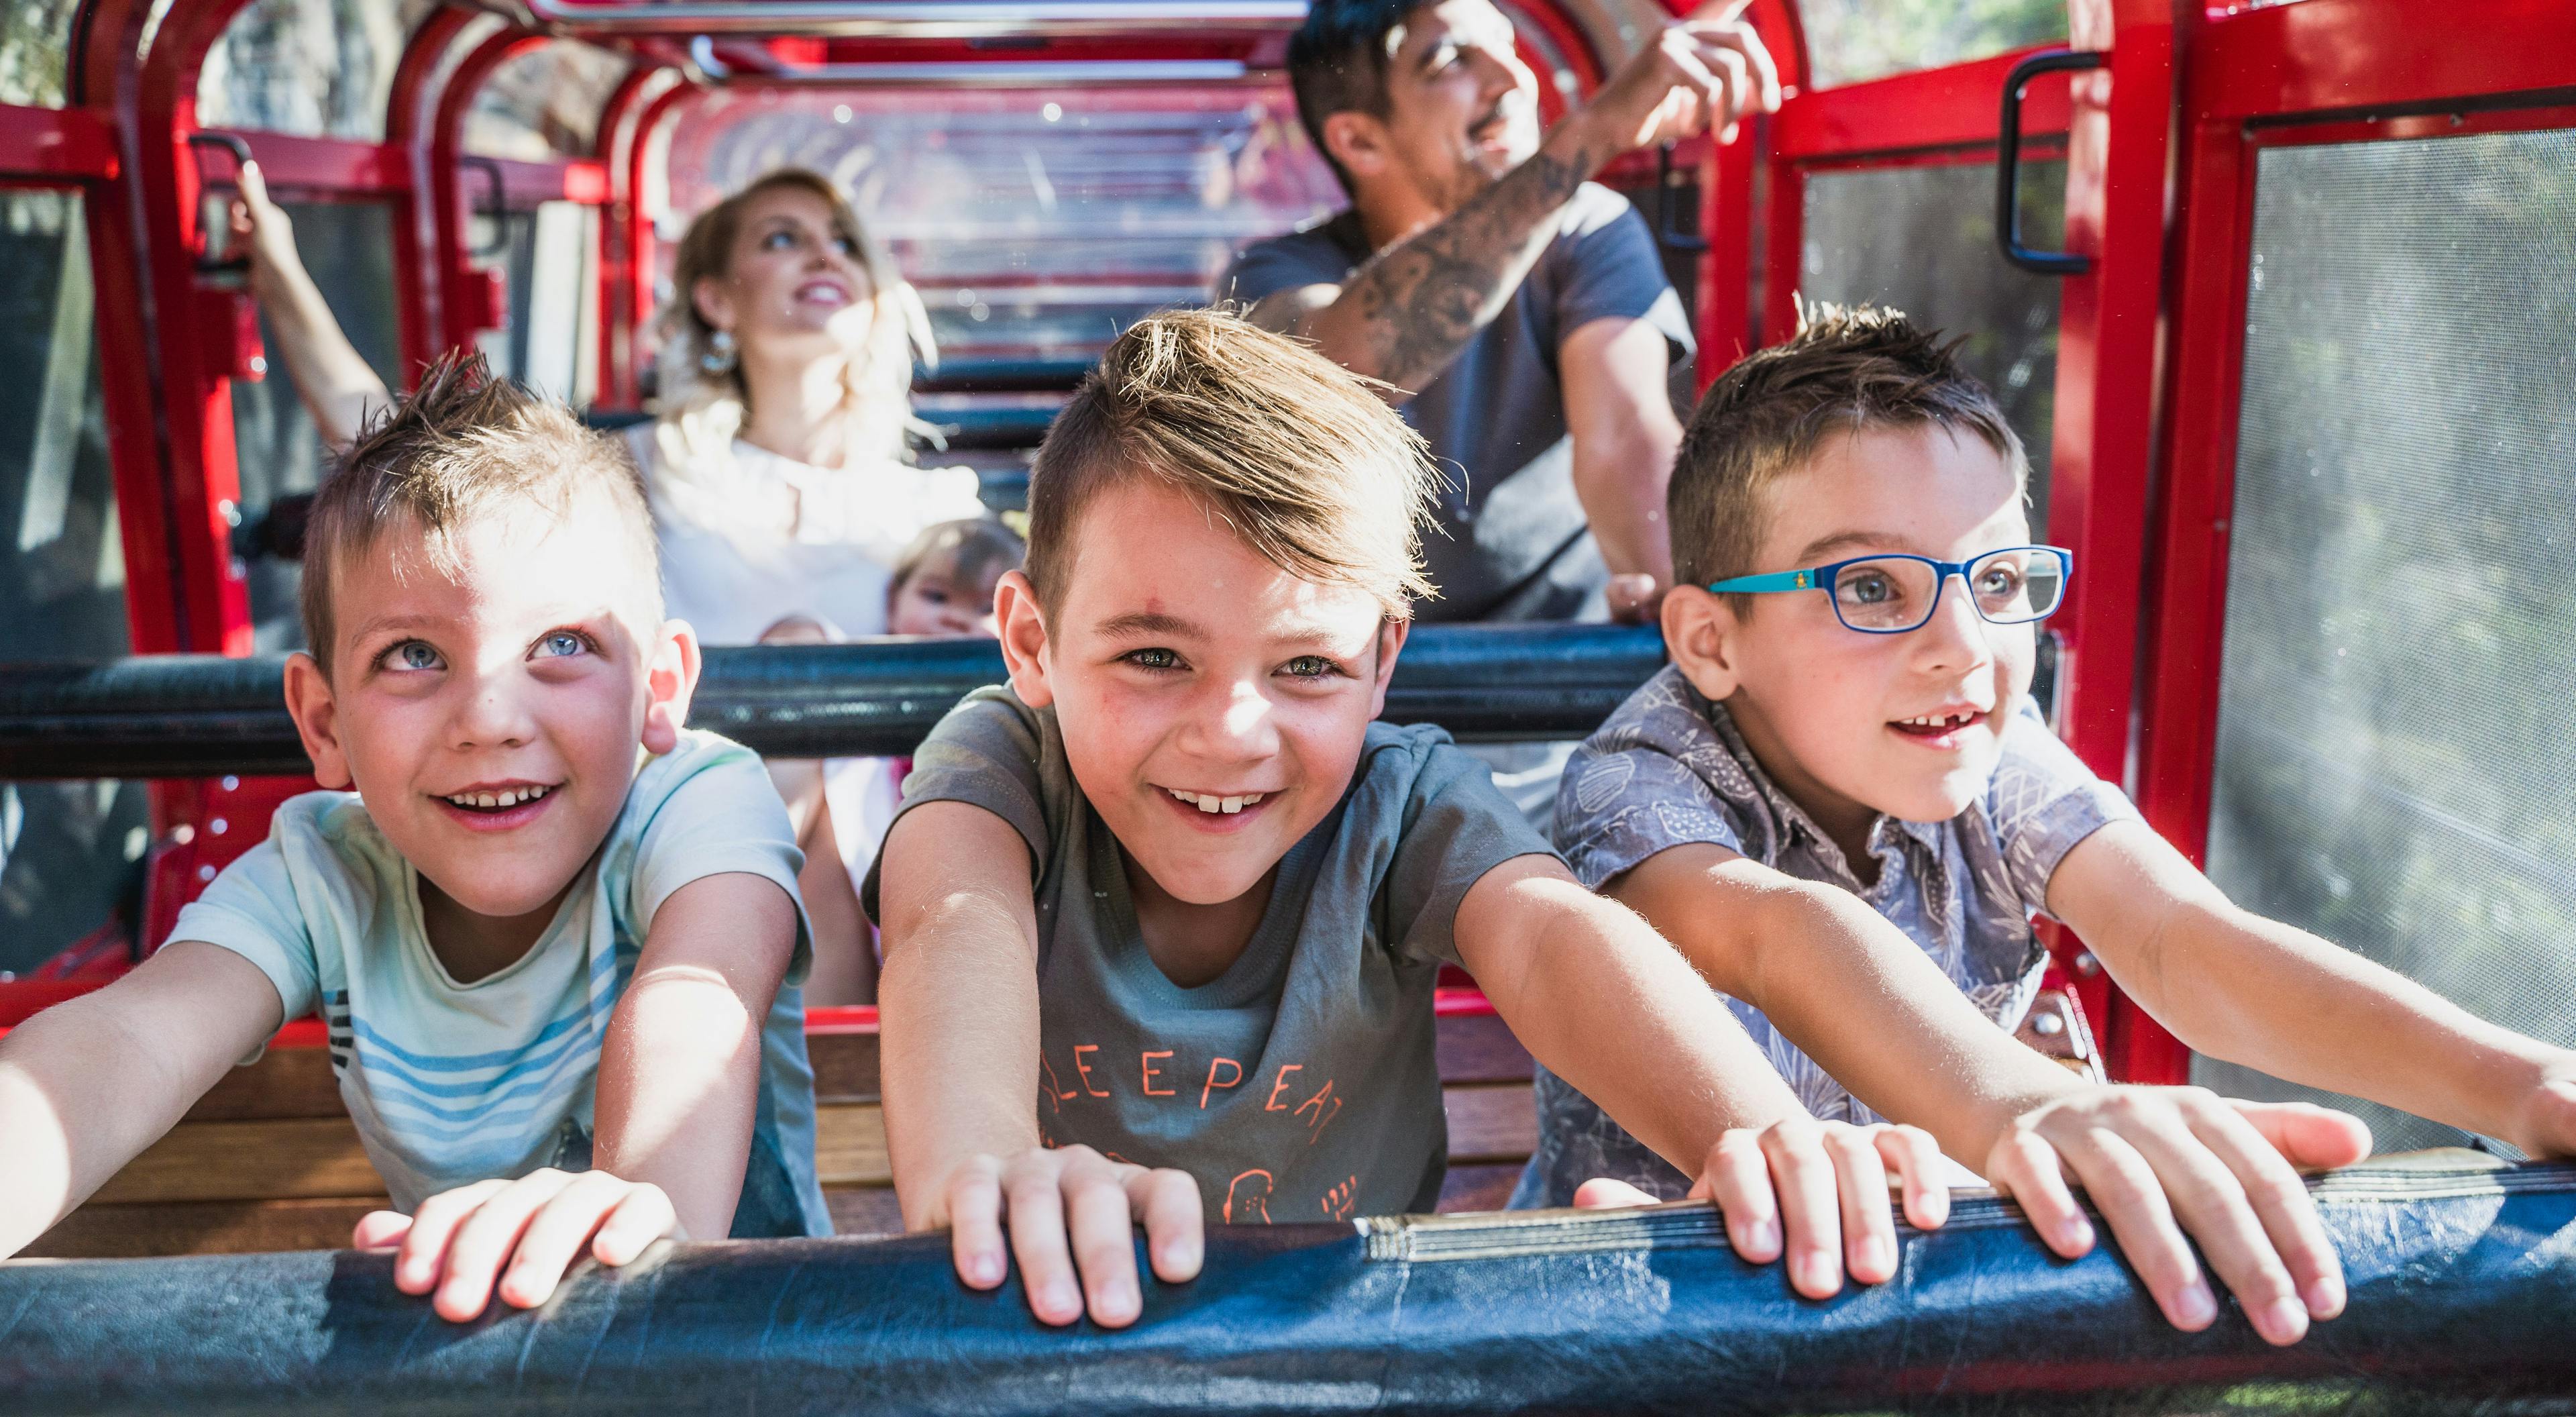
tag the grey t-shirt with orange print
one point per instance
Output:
(1299, 1085)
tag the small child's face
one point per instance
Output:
(489, 718)
(1834, 715)
(936, 600)
(1213, 705)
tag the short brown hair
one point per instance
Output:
(1295, 453)
(456, 448)
(1847, 369)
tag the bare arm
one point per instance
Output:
(1406, 314)
(958, 1004)
(958, 999)
(1859, 997)
(86, 1085)
(336, 383)
(679, 1072)
(1848, 988)
(1625, 435)
(1605, 1003)
(2272, 996)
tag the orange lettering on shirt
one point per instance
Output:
(1053, 1095)
(1150, 1075)
(1281, 1086)
(1084, 1068)
(1247, 1199)
(1213, 1084)
(1337, 1201)
(1325, 1106)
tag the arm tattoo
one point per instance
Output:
(1419, 301)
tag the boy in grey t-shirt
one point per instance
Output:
(1162, 919)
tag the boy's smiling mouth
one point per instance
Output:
(496, 806)
(1214, 803)
(1941, 729)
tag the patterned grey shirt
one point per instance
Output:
(1669, 768)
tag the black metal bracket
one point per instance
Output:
(500, 212)
(235, 261)
(1668, 231)
(2008, 162)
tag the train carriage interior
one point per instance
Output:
(2279, 293)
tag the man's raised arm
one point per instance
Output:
(1406, 314)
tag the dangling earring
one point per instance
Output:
(720, 356)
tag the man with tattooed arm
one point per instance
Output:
(1517, 313)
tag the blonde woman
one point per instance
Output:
(778, 473)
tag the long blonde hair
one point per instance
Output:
(702, 410)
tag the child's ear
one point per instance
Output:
(1704, 637)
(1024, 638)
(317, 720)
(1358, 141)
(670, 681)
(1390, 643)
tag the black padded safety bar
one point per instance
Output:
(2461, 1283)
(2008, 162)
(204, 715)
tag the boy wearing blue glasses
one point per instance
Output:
(1840, 804)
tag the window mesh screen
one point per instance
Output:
(1922, 239)
(2397, 701)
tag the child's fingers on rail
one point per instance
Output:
(2026, 1168)
(2131, 1197)
(1104, 1238)
(1033, 1187)
(974, 1204)
(644, 1216)
(2212, 1204)
(433, 1226)
(558, 1231)
(380, 1231)
(1738, 1179)
(1175, 1221)
(487, 1238)
(1916, 1159)
(1807, 1182)
(2280, 1200)
(1860, 1183)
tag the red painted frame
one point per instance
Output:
(2323, 71)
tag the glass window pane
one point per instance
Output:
(544, 103)
(349, 248)
(552, 261)
(2394, 741)
(313, 68)
(35, 51)
(70, 852)
(1922, 239)
(1851, 40)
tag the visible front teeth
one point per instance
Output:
(1211, 803)
(507, 797)
(1938, 721)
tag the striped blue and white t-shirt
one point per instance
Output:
(454, 1083)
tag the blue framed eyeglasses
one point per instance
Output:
(1893, 593)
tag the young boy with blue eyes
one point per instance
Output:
(552, 933)
(1840, 805)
